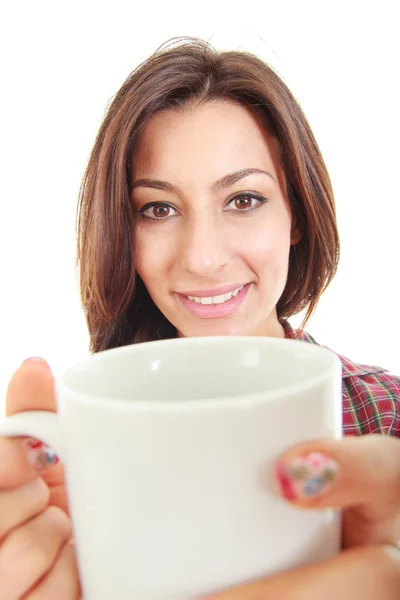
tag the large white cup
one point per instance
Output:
(169, 448)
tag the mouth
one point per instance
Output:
(214, 306)
(217, 299)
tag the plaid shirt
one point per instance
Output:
(371, 395)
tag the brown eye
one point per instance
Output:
(245, 203)
(160, 212)
(157, 212)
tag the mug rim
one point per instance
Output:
(65, 388)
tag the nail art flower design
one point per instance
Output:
(40, 455)
(306, 476)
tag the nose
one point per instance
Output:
(205, 247)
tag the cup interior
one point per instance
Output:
(199, 369)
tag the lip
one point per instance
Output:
(214, 311)
(214, 292)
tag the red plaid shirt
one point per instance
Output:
(371, 395)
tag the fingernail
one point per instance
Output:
(39, 455)
(37, 359)
(306, 476)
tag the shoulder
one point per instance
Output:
(371, 395)
(371, 399)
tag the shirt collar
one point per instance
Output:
(350, 368)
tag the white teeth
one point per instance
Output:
(216, 299)
(219, 299)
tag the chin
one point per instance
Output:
(214, 330)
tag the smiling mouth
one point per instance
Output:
(215, 307)
(221, 299)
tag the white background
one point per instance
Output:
(61, 65)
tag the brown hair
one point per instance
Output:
(117, 306)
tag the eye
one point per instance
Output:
(245, 202)
(157, 211)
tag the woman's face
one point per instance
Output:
(213, 226)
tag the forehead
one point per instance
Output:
(207, 140)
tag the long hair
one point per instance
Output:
(117, 306)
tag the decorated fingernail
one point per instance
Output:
(40, 455)
(306, 476)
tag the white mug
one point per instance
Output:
(169, 447)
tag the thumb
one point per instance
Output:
(31, 387)
(361, 475)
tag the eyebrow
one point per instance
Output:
(223, 183)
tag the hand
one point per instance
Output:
(37, 559)
(361, 476)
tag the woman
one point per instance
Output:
(206, 209)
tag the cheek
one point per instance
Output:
(151, 257)
(144, 257)
(269, 246)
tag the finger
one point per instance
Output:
(367, 573)
(29, 552)
(23, 459)
(22, 504)
(62, 582)
(358, 474)
(15, 467)
(32, 388)
(51, 470)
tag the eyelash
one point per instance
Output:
(260, 199)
